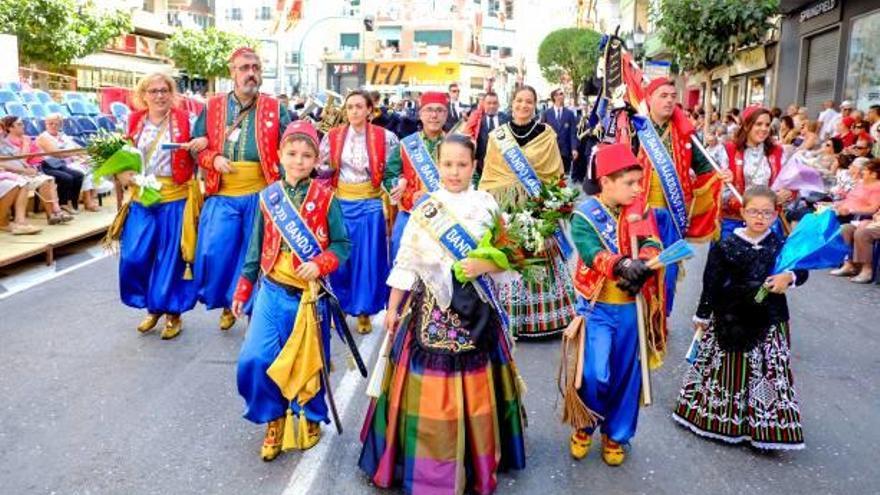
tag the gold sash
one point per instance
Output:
(363, 190)
(170, 190)
(246, 179)
(612, 294)
(656, 197)
(282, 271)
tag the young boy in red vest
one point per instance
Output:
(299, 236)
(608, 278)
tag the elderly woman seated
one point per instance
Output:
(860, 209)
(27, 174)
(53, 139)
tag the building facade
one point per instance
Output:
(831, 48)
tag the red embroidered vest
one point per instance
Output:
(735, 160)
(268, 131)
(313, 210)
(182, 163)
(375, 137)
(589, 279)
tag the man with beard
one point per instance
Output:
(413, 163)
(243, 129)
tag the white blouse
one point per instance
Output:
(355, 166)
(422, 257)
(160, 162)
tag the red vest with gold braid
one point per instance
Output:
(182, 164)
(375, 137)
(413, 182)
(735, 161)
(680, 131)
(268, 131)
(313, 210)
(589, 279)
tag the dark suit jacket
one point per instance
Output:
(451, 117)
(483, 136)
(565, 128)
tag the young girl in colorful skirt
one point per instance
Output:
(299, 236)
(449, 415)
(740, 388)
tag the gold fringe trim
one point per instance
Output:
(570, 375)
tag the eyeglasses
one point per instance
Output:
(752, 212)
(434, 110)
(249, 67)
(455, 91)
(157, 92)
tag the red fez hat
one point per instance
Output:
(749, 110)
(655, 84)
(301, 128)
(430, 97)
(242, 50)
(611, 158)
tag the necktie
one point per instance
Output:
(558, 114)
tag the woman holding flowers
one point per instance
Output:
(522, 162)
(159, 232)
(449, 415)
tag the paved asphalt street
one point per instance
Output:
(88, 406)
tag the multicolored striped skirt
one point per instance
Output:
(444, 423)
(743, 396)
(545, 307)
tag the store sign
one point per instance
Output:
(749, 61)
(342, 69)
(412, 73)
(657, 68)
(142, 46)
(817, 9)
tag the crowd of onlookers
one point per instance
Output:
(62, 184)
(842, 143)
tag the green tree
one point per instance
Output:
(205, 53)
(54, 32)
(572, 51)
(707, 33)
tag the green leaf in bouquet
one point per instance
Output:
(123, 159)
(150, 196)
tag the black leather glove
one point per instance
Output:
(634, 271)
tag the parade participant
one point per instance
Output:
(608, 277)
(667, 186)
(412, 163)
(243, 128)
(455, 110)
(299, 236)
(382, 116)
(153, 274)
(449, 414)
(740, 388)
(490, 118)
(536, 307)
(356, 153)
(754, 159)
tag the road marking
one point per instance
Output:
(31, 278)
(306, 472)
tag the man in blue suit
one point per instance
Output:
(491, 119)
(564, 123)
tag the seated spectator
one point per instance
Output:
(809, 135)
(846, 174)
(844, 131)
(54, 139)
(787, 131)
(14, 195)
(862, 146)
(862, 206)
(30, 176)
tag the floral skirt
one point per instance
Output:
(743, 396)
(544, 307)
(444, 423)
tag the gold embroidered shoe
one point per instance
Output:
(612, 452)
(580, 443)
(173, 326)
(313, 437)
(272, 441)
(148, 323)
(364, 326)
(227, 319)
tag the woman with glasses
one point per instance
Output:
(155, 239)
(542, 307)
(357, 153)
(54, 139)
(755, 160)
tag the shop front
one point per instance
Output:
(344, 77)
(830, 50)
(122, 63)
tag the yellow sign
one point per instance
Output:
(393, 73)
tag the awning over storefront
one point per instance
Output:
(126, 63)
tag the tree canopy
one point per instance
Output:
(706, 34)
(54, 32)
(205, 53)
(572, 51)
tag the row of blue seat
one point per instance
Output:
(42, 110)
(8, 94)
(80, 128)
